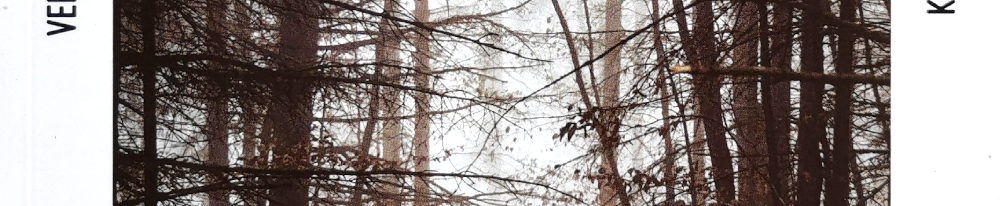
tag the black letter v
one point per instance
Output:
(64, 28)
(940, 9)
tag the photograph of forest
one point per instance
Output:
(501, 102)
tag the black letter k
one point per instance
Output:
(940, 9)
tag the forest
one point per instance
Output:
(501, 102)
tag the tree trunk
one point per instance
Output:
(669, 176)
(748, 111)
(707, 89)
(217, 123)
(250, 119)
(387, 53)
(299, 37)
(838, 186)
(698, 188)
(421, 133)
(811, 131)
(696, 149)
(612, 188)
(217, 120)
(780, 57)
(148, 68)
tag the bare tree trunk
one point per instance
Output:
(148, 68)
(421, 133)
(698, 188)
(217, 120)
(696, 149)
(669, 176)
(779, 149)
(387, 53)
(611, 184)
(753, 188)
(811, 131)
(838, 186)
(250, 119)
(299, 36)
(218, 145)
(707, 90)
(251, 107)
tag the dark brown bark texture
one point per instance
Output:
(811, 131)
(779, 152)
(292, 104)
(707, 89)
(749, 117)
(149, 69)
(838, 186)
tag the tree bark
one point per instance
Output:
(387, 54)
(838, 186)
(748, 111)
(299, 36)
(707, 89)
(811, 131)
(780, 57)
(669, 176)
(421, 133)
(148, 68)
(612, 186)
(217, 118)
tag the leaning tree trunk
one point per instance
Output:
(698, 188)
(707, 90)
(696, 149)
(299, 36)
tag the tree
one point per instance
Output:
(389, 53)
(612, 186)
(298, 33)
(421, 131)
(779, 150)
(217, 120)
(669, 177)
(748, 110)
(149, 48)
(707, 89)
(838, 187)
(810, 123)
